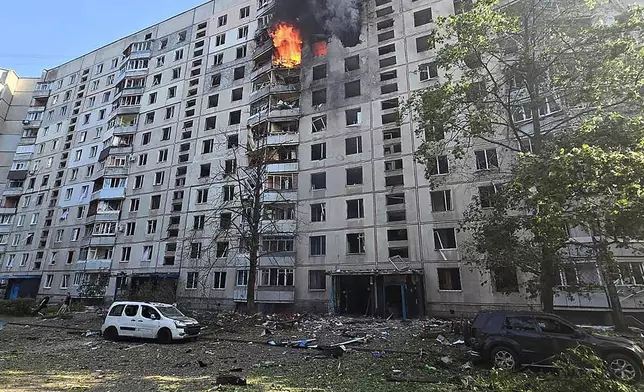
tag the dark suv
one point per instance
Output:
(510, 339)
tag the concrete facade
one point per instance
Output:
(114, 183)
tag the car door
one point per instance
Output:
(560, 336)
(524, 332)
(128, 321)
(148, 322)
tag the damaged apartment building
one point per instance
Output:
(127, 155)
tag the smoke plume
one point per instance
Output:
(339, 18)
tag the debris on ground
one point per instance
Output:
(230, 379)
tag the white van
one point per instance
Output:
(149, 320)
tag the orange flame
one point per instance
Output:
(288, 45)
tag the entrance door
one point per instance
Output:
(15, 290)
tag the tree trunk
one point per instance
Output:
(547, 280)
(250, 288)
(604, 259)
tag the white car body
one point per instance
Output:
(148, 320)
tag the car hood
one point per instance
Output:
(186, 320)
(613, 340)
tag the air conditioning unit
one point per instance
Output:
(120, 228)
(25, 122)
(32, 172)
(132, 158)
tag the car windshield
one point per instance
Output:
(170, 311)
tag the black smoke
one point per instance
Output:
(338, 18)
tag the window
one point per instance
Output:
(75, 234)
(355, 243)
(317, 245)
(225, 220)
(229, 192)
(237, 94)
(355, 209)
(242, 32)
(162, 156)
(204, 170)
(158, 178)
(486, 159)
(353, 116)
(145, 139)
(441, 200)
(428, 71)
(149, 118)
(70, 257)
(244, 12)
(239, 73)
(318, 124)
(52, 258)
(354, 176)
(318, 97)
(198, 222)
(234, 117)
(230, 165)
(220, 39)
(396, 164)
(242, 278)
(317, 280)
(352, 89)
(93, 151)
(147, 253)
(130, 228)
(134, 205)
(191, 281)
(319, 72)
(178, 55)
(222, 249)
(138, 182)
(68, 193)
(318, 212)
(438, 165)
(241, 52)
(217, 59)
(213, 101)
(318, 180)
(486, 195)
(207, 146)
(172, 92)
(318, 152)
(352, 63)
(155, 202)
(152, 99)
(48, 281)
(396, 216)
(422, 17)
(195, 250)
(202, 195)
(444, 239)
(449, 279)
(424, 43)
(219, 280)
(233, 141)
(125, 254)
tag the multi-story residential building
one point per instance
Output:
(128, 147)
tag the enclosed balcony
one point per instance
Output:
(42, 90)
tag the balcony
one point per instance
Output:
(278, 140)
(269, 196)
(126, 92)
(263, 48)
(95, 264)
(124, 129)
(115, 170)
(279, 226)
(41, 92)
(131, 73)
(36, 109)
(282, 167)
(7, 210)
(274, 89)
(109, 193)
(12, 191)
(121, 150)
(30, 124)
(267, 294)
(17, 175)
(124, 110)
(255, 73)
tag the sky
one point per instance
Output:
(43, 33)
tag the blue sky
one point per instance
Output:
(44, 33)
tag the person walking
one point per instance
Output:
(65, 306)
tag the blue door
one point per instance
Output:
(15, 289)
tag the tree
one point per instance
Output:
(247, 220)
(514, 76)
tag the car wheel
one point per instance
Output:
(624, 368)
(164, 336)
(504, 358)
(111, 334)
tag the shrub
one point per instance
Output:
(17, 307)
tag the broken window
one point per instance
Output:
(389, 104)
(449, 279)
(319, 72)
(402, 252)
(192, 280)
(229, 192)
(219, 280)
(397, 235)
(353, 145)
(396, 164)
(353, 116)
(318, 97)
(204, 170)
(392, 148)
(318, 152)
(215, 80)
(505, 280)
(317, 280)
(486, 195)
(225, 220)
(317, 245)
(441, 200)
(318, 180)
(233, 141)
(394, 180)
(389, 75)
(352, 89)
(395, 198)
(354, 176)
(424, 43)
(396, 216)
(318, 212)
(389, 118)
(155, 202)
(230, 165)
(318, 124)
(391, 134)
(355, 243)
(239, 73)
(445, 238)
(198, 222)
(352, 63)
(385, 24)
(486, 159)
(386, 49)
(389, 88)
(388, 62)
(438, 165)
(428, 71)
(237, 94)
(207, 146)
(319, 48)
(213, 101)
(384, 11)
(234, 117)
(355, 209)
(422, 17)
(222, 249)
